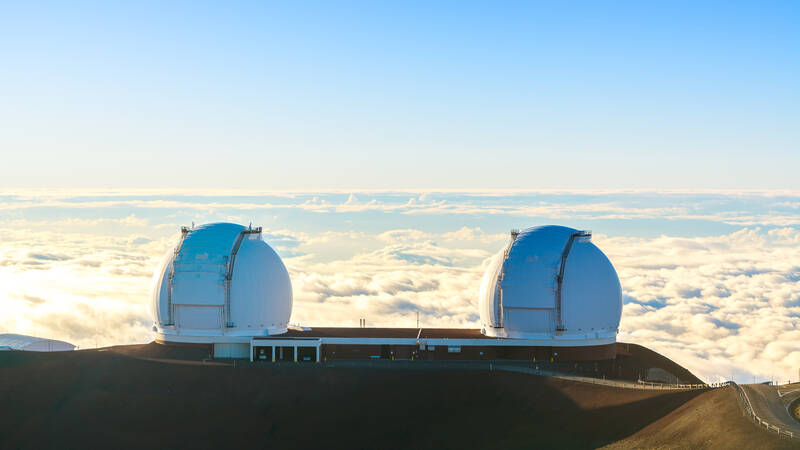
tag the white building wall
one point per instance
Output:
(237, 351)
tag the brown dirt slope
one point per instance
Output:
(714, 419)
(107, 399)
(190, 352)
(631, 363)
(638, 359)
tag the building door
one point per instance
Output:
(307, 354)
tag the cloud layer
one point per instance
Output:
(722, 300)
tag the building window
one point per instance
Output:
(454, 349)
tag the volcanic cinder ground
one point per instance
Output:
(151, 396)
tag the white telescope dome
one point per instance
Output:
(551, 283)
(33, 344)
(221, 283)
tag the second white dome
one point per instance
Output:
(551, 283)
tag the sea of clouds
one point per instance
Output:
(710, 279)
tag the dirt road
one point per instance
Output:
(771, 403)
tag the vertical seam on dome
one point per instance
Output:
(498, 289)
(229, 272)
(170, 314)
(560, 278)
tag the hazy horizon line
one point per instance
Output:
(110, 191)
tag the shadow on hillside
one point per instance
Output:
(81, 399)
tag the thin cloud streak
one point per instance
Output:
(756, 208)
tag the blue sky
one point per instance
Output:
(380, 95)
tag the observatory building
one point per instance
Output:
(550, 294)
(551, 283)
(221, 284)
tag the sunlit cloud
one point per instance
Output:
(721, 303)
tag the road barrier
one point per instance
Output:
(602, 381)
(679, 386)
(528, 368)
(748, 407)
